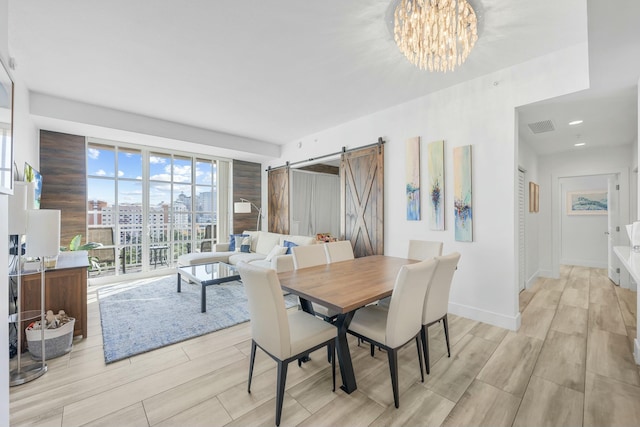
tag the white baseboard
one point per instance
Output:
(636, 351)
(546, 273)
(584, 263)
(532, 280)
(496, 319)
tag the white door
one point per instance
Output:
(613, 227)
(522, 260)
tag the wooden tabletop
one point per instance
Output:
(347, 285)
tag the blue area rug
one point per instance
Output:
(147, 314)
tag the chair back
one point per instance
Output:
(436, 302)
(268, 315)
(308, 256)
(339, 251)
(405, 309)
(424, 249)
(102, 235)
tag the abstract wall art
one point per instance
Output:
(412, 153)
(534, 197)
(587, 202)
(463, 211)
(435, 154)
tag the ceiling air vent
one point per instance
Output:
(541, 127)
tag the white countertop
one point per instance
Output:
(630, 260)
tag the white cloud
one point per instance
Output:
(93, 153)
(100, 172)
(120, 173)
(154, 160)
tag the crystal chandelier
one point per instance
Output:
(435, 34)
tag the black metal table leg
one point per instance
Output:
(344, 357)
(203, 296)
(179, 283)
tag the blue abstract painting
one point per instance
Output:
(413, 178)
(587, 202)
(462, 194)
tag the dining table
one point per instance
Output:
(343, 287)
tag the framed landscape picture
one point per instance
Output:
(587, 202)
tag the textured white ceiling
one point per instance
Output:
(271, 70)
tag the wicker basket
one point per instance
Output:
(56, 341)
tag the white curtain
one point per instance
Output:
(224, 203)
(315, 203)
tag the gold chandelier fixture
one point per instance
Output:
(435, 34)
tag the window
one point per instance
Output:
(156, 204)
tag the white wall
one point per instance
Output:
(574, 163)
(583, 239)
(528, 160)
(25, 137)
(479, 112)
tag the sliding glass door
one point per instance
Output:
(149, 207)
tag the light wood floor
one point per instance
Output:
(570, 364)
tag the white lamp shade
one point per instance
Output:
(242, 207)
(43, 232)
(18, 209)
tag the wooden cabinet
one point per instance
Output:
(65, 289)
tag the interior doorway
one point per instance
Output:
(587, 239)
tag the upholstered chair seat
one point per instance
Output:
(394, 328)
(283, 336)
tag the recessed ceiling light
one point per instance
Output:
(575, 122)
(579, 144)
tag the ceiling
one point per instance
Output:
(283, 69)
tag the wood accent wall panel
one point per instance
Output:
(247, 184)
(362, 206)
(64, 181)
(279, 200)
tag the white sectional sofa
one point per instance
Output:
(262, 242)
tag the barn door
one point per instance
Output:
(279, 201)
(362, 188)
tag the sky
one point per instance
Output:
(101, 163)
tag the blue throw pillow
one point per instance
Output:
(232, 241)
(287, 244)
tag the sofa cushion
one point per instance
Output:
(232, 241)
(243, 243)
(298, 240)
(266, 242)
(254, 238)
(197, 258)
(242, 256)
(287, 244)
(277, 250)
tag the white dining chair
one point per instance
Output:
(338, 251)
(423, 249)
(284, 336)
(308, 255)
(311, 256)
(436, 303)
(394, 328)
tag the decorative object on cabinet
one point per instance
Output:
(412, 155)
(6, 131)
(587, 202)
(33, 177)
(462, 194)
(435, 158)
